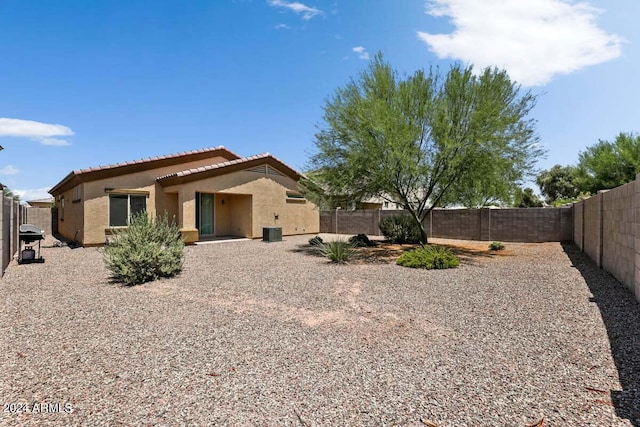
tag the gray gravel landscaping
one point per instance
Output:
(267, 334)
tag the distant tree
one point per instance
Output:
(8, 193)
(526, 199)
(491, 184)
(558, 183)
(422, 139)
(607, 164)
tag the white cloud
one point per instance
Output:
(9, 170)
(54, 141)
(37, 131)
(307, 12)
(362, 52)
(533, 40)
(282, 27)
(30, 128)
(33, 194)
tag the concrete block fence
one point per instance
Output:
(507, 225)
(12, 215)
(41, 218)
(607, 229)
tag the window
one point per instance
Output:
(62, 208)
(77, 194)
(295, 197)
(122, 206)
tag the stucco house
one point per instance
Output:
(41, 203)
(210, 192)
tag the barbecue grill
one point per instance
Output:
(28, 234)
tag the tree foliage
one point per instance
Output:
(608, 165)
(426, 139)
(558, 183)
(526, 199)
(8, 193)
(400, 229)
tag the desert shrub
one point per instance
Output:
(496, 246)
(146, 250)
(360, 240)
(429, 257)
(400, 229)
(338, 251)
(315, 241)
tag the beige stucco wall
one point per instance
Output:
(251, 202)
(233, 215)
(71, 224)
(240, 224)
(95, 200)
(269, 197)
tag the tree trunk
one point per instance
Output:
(424, 238)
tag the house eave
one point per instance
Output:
(183, 178)
(103, 172)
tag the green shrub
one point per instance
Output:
(146, 250)
(337, 251)
(400, 229)
(496, 246)
(429, 257)
(315, 241)
(360, 240)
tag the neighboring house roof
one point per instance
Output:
(228, 167)
(91, 174)
(41, 201)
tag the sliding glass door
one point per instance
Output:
(205, 214)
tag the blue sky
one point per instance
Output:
(86, 82)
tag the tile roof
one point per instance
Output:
(189, 174)
(152, 159)
(215, 166)
(101, 172)
(50, 199)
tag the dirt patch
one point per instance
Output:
(467, 251)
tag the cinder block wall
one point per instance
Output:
(508, 225)
(12, 214)
(5, 235)
(463, 224)
(531, 225)
(618, 245)
(40, 217)
(578, 224)
(607, 229)
(636, 237)
(351, 222)
(592, 218)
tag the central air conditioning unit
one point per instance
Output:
(271, 234)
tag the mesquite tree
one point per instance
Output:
(424, 139)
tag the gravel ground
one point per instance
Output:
(267, 334)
